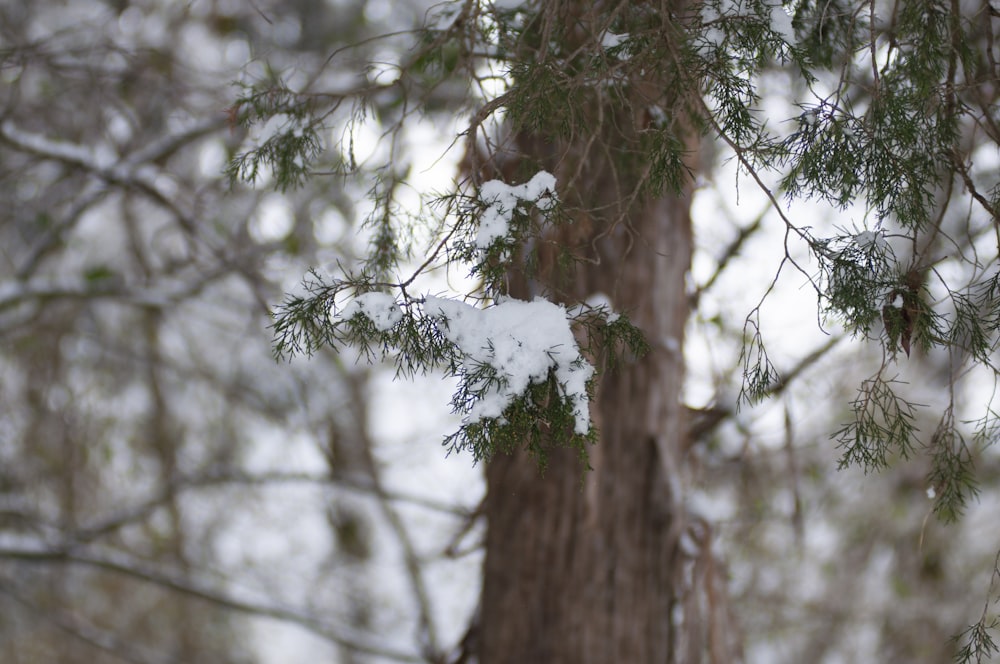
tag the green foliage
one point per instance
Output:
(976, 642)
(732, 47)
(618, 338)
(759, 376)
(952, 470)
(857, 277)
(891, 155)
(301, 321)
(389, 232)
(292, 146)
(975, 323)
(489, 265)
(546, 100)
(883, 426)
(825, 154)
(883, 103)
(542, 418)
(538, 422)
(887, 112)
(891, 138)
(829, 31)
(100, 275)
(663, 151)
(440, 54)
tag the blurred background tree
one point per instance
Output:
(164, 482)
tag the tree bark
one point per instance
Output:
(580, 572)
(604, 566)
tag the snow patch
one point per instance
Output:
(612, 40)
(868, 239)
(602, 303)
(781, 23)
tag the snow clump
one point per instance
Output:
(868, 239)
(521, 341)
(501, 199)
(781, 22)
(379, 308)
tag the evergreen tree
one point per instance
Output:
(585, 135)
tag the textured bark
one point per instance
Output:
(605, 566)
(592, 573)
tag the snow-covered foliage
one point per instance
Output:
(504, 349)
(379, 308)
(506, 352)
(502, 199)
(521, 342)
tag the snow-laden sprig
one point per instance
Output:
(525, 369)
(519, 344)
(740, 22)
(497, 219)
(379, 308)
(501, 200)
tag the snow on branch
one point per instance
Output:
(524, 368)
(502, 199)
(379, 308)
(521, 342)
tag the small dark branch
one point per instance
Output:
(963, 171)
(125, 566)
(454, 548)
(731, 252)
(793, 472)
(74, 626)
(15, 293)
(467, 649)
(52, 237)
(427, 635)
(123, 518)
(977, 643)
(144, 509)
(353, 482)
(703, 421)
(787, 377)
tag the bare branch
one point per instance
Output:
(220, 598)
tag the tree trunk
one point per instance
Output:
(604, 566)
(593, 571)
